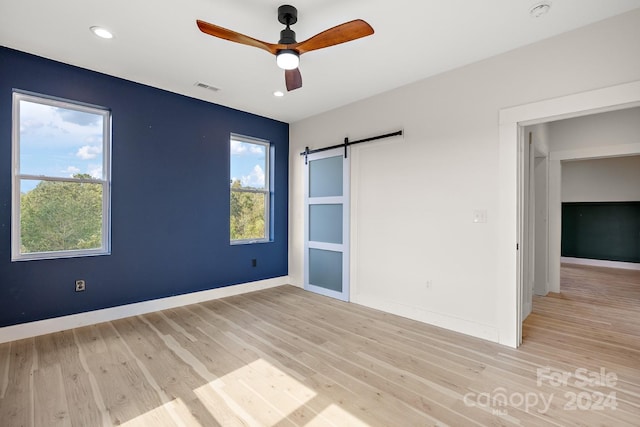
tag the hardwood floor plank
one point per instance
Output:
(173, 379)
(224, 411)
(286, 357)
(344, 348)
(80, 398)
(5, 351)
(16, 408)
(51, 408)
(261, 351)
(124, 388)
(304, 357)
(240, 387)
(213, 326)
(368, 333)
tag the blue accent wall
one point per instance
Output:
(169, 197)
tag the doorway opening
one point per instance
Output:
(590, 183)
(513, 253)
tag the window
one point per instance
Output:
(61, 158)
(250, 189)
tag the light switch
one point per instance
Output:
(479, 216)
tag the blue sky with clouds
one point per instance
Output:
(248, 163)
(59, 142)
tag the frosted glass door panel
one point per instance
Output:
(325, 177)
(325, 269)
(325, 223)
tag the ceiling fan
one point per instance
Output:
(287, 50)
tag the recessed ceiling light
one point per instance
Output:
(101, 32)
(539, 9)
(278, 93)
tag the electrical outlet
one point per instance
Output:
(80, 285)
(428, 284)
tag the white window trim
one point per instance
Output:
(267, 191)
(16, 177)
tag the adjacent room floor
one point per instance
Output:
(287, 357)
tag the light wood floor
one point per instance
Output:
(285, 357)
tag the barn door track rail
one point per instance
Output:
(346, 144)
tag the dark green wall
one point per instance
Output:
(602, 230)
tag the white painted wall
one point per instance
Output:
(413, 197)
(615, 179)
(609, 129)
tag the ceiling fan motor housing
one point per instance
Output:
(287, 36)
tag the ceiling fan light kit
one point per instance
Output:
(288, 50)
(288, 59)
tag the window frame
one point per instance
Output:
(267, 188)
(17, 177)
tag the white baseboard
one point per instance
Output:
(600, 263)
(57, 324)
(464, 326)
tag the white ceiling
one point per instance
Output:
(157, 43)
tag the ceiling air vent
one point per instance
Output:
(208, 87)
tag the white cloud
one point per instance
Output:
(80, 118)
(237, 147)
(53, 122)
(71, 170)
(95, 171)
(254, 179)
(256, 149)
(240, 148)
(30, 125)
(88, 152)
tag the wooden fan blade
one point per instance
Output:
(342, 33)
(223, 33)
(293, 79)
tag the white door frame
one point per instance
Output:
(527, 203)
(541, 219)
(509, 301)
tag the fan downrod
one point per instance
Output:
(287, 15)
